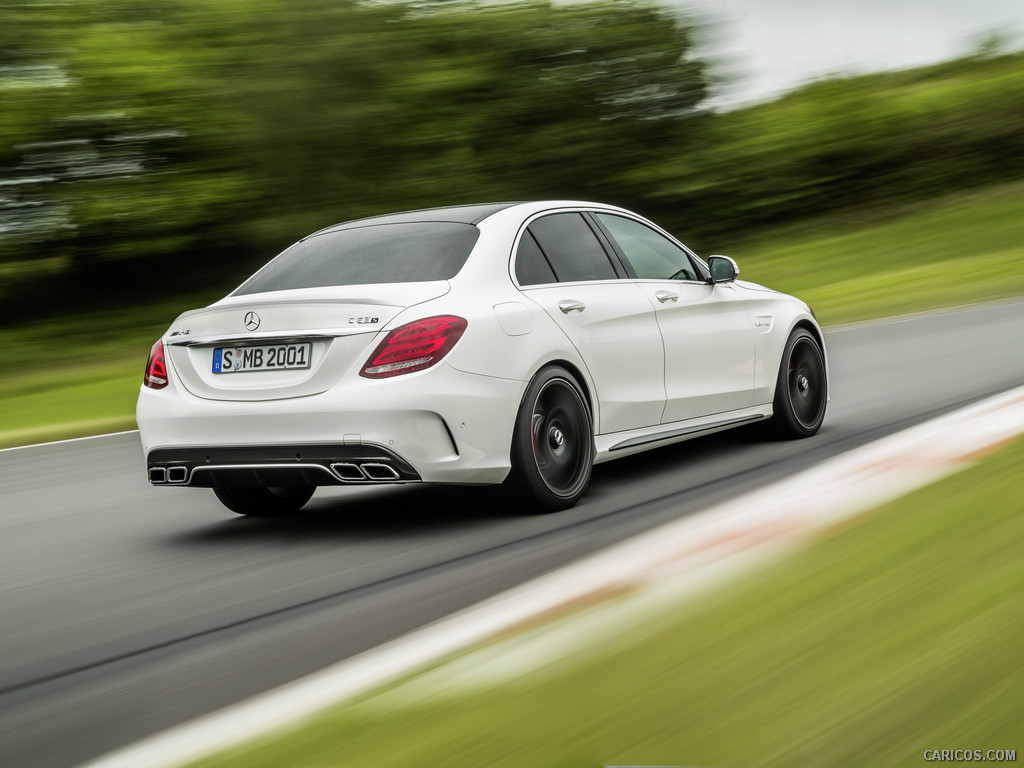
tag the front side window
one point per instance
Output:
(382, 253)
(571, 247)
(652, 255)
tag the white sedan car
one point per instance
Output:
(515, 342)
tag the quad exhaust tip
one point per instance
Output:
(161, 475)
(347, 471)
(380, 471)
(365, 471)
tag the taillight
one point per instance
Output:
(414, 347)
(156, 369)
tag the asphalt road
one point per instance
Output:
(126, 609)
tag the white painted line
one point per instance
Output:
(69, 440)
(858, 480)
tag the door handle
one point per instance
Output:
(568, 305)
(664, 296)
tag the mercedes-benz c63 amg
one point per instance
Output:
(516, 343)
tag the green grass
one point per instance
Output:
(71, 401)
(75, 375)
(898, 631)
(79, 375)
(961, 249)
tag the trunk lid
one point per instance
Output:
(336, 327)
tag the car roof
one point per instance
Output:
(458, 214)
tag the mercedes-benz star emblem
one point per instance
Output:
(252, 321)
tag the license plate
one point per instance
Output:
(273, 357)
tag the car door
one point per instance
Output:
(708, 335)
(562, 265)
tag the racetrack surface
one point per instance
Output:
(127, 609)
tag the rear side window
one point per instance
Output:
(531, 266)
(572, 248)
(383, 253)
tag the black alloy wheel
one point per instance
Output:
(801, 390)
(553, 442)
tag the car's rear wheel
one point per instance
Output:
(801, 390)
(553, 443)
(265, 502)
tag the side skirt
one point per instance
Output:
(618, 444)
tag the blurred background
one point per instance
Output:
(153, 154)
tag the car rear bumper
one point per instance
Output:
(249, 466)
(440, 425)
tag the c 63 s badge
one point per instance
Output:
(363, 320)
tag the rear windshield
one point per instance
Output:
(381, 253)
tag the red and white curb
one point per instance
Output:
(740, 531)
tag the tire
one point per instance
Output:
(265, 502)
(801, 390)
(552, 443)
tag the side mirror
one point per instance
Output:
(723, 269)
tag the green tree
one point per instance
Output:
(185, 136)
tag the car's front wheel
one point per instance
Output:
(265, 502)
(552, 443)
(801, 390)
